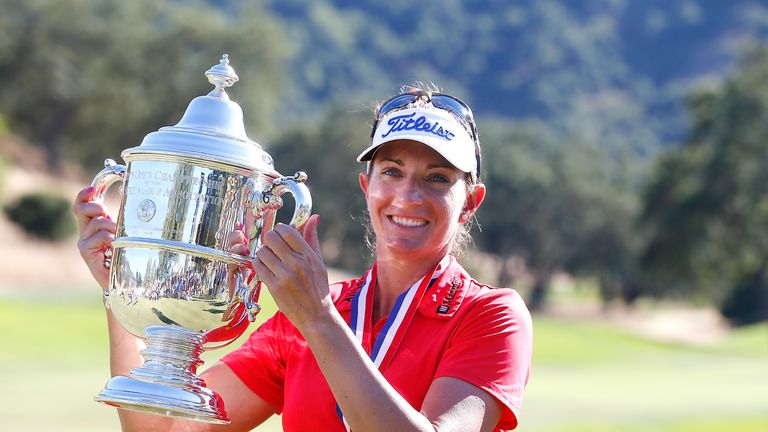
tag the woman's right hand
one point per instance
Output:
(97, 230)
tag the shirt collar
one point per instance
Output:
(446, 294)
(441, 301)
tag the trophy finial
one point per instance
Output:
(222, 76)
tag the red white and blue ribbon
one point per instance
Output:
(388, 339)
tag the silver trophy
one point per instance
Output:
(173, 281)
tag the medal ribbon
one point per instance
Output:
(390, 336)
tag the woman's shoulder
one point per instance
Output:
(483, 293)
(484, 298)
(486, 292)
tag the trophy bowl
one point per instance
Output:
(173, 281)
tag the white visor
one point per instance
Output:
(435, 128)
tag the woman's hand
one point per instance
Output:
(291, 266)
(96, 233)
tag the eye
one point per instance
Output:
(390, 171)
(438, 178)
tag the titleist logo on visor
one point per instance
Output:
(406, 122)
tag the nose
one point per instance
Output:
(409, 193)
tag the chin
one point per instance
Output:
(411, 249)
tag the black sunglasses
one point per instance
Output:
(442, 101)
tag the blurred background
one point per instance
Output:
(625, 148)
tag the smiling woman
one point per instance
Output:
(415, 344)
(415, 196)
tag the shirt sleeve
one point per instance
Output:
(260, 362)
(491, 349)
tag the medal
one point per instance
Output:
(388, 339)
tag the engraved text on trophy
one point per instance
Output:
(180, 202)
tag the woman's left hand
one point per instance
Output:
(291, 266)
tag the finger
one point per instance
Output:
(84, 195)
(85, 211)
(98, 224)
(236, 237)
(270, 259)
(309, 231)
(284, 241)
(240, 249)
(291, 237)
(96, 243)
(262, 270)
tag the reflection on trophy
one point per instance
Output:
(173, 281)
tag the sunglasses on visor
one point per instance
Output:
(442, 101)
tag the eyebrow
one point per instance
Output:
(396, 161)
(430, 166)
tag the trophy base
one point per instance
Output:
(188, 402)
(166, 384)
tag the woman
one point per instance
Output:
(415, 344)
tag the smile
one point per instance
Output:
(408, 222)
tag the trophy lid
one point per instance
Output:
(211, 129)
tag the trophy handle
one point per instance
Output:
(295, 185)
(111, 173)
(262, 202)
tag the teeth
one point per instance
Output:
(408, 222)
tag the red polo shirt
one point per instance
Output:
(462, 329)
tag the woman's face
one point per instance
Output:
(416, 200)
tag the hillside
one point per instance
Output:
(575, 101)
(612, 71)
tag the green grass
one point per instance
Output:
(54, 360)
(587, 376)
(711, 425)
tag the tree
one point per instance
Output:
(326, 150)
(92, 77)
(559, 207)
(707, 207)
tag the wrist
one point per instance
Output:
(321, 326)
